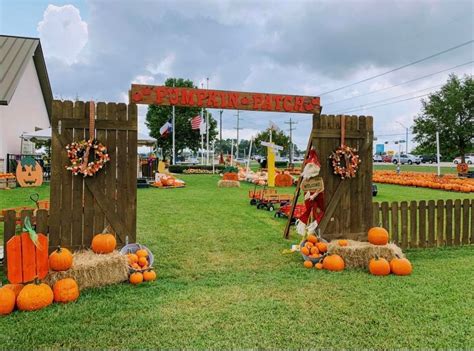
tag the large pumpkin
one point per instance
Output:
(378, 236)
(29, 172)
(103, 243)
(7, 301)
(27, 256)
(333, 263)
(60, 259)
(34, 297)
(65, 290)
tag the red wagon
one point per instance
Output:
(284, 211)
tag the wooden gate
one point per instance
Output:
(82, 207)
(349, 201)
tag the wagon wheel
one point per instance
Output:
(259, 206)
(270, 208)
(253, 202)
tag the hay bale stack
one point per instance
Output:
(358, 253)
(91, 270)
(228, 184)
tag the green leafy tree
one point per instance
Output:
(449, 111)
(278, 137)
(186, 137)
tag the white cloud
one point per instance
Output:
(163, 67)
(245, 133)
(63, 33)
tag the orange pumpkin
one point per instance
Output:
(333, 263)
(378, 236)
(60, 259)
(35, 296)
(342, 242)
(65, 290)
(149, 276)
(305, 251)
(322, 247)
(400, 266)
(27, 256)
(308, 264)
(136, 278)
(141, 253)
(7, 301)
(318, 265)
(16, 288)
(312, 238)
(103, 243)
(29, 172)
(379, 266)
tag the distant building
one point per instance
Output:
(25, 94)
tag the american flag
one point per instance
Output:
(196, 122)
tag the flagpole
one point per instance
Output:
(174, 151)
(207, 128)
(202, 139)
(250, 154)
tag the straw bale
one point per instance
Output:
(91, 270)
(228, 184)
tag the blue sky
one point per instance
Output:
(97, 48)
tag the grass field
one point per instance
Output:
(224, 283)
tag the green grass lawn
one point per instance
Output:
(224, 283)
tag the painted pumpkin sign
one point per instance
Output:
(29, 172)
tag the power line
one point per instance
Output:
(399, 84)
(238, 129)
(389, 103)
(291, 129)
(399, 68)
(391, 98)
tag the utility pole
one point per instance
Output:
(406, 137)
(207, 128)
(291, 122)
(220, 129)
(238, 128)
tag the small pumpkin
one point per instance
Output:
(136, 278)
(35, 296)
(312, 238)
(308, 264)
(378, 236)
(141, 253)
(16, 288)
(7, 301)
(305, 251)
(400, 266)
(314, 250)
(65, 290)
(142, 261)
(103, 243)
(60, 259)
(342, 242)
(149, 276)
(318, 265)
(322, 247)
(132, 258)
(333, 263)
(379, 266)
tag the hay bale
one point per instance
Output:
(91, 270)
(358, 253)
(228, 184)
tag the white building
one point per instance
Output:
(25, 94)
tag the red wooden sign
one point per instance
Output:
(190, 97)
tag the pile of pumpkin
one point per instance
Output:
(140, 266)
(166, 180)
(425, 180)
(335, 263)
(7, 176)
(37, 295)
(197, 171)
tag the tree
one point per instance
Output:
(278, 137)
(186, 137)
(450, 111)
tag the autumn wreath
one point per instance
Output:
(345, 161)
(87, 157)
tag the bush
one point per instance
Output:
(181, 168)
(281, 164)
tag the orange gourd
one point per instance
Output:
(60, 259)
(312, 238)
(342, 242)
(16, 288)
(333, 263)
(400, 266)
(34, 296)
(65, 290)
(136, 278)
(308, 264)
(378, 236)
(27, 255)
(149, 276)
(322, 247)
(379, 266)
(318, 265)
(7, 301)
(305, 251)
(103, 243)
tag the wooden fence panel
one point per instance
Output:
(82, 207)
(431, 223)
(413, 224)
(404, 224)
(385, 216)
(465, 221)
(422, 224)
(394, 229)
(440, 223)
(449, 222)
(457, 222)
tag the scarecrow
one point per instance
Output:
(313, 199)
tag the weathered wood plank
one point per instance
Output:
(131, 213)
(422, 223)
(404, 224)
(465, 222)
(66, 184)
(100, 134)
(431, 223)
(78, 182)
(385, 216)
(413, 224)
(111, 169)
(100, 124)
(9, 228)
(375, 214)
(42, 217)
(395, 228)
(88, 224)
(457, 222)
(440, 237)
(122, 196)
(449, 222)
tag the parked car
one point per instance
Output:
(428, 158)
(298, 159)
(468, 157)
(377, 158)
(387, 158)
(406, 158)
